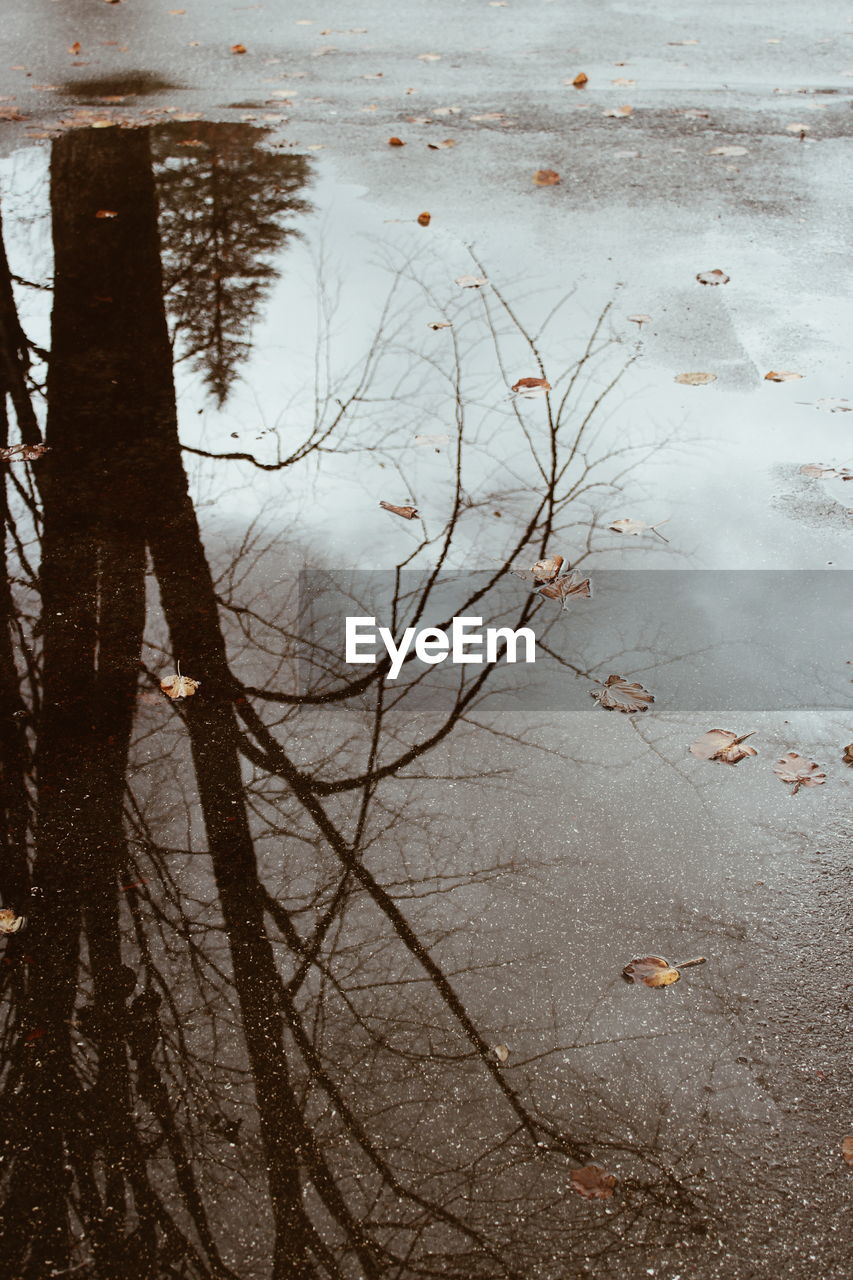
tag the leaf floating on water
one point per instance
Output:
(713, 277)
(656, 971)
(803, 773)
(782, 375)
(424, 219)
(847, 758)
(592, 1182)
(543, 571)
(470, 282)
(723, 745)
(9, 922)
(546, 177)
(106, 213)
(440, 324)
(565, 588)
(619, 694)
(695, 379)
(635, 527)
(23, 452)
(396, 142)
(501, 1052)
(531, 386)
(178, 686)
(617, 113)
(408, 513)
(580, 80)
(847, 1149)
(640, 320)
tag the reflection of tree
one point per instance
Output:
(223, 202)
(294, 962)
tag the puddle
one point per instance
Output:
(136, 84)
(319, 977)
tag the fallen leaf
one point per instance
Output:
(442, 146)
(563, 589)
(617, 113)
(396, 142)
(543, 571)
(76, 47)
(23, 452)
(531, 386)
(580, 80)
(847, 1149)
(722, 745)
(695, 379)
(619, 694)
(238, 48)
(9, 922)
(818, 472)
(782, 375)
(847, 758)
(501, 1052)
(640, 320)
(713, 277)
(178, 686)
(727, 151)
(803, 773)
(656, 971)
(408, 513)
(635, 527)
(546, 177)
(440, 324)
(471, 282)
(106, 213)
(592, 1182)
(424, 219)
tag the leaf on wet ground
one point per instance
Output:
(440, 324)
(570, 586)
(75, 48)
(640, 320)
(713, 277)
(177, 686)
(800, 771)
(728, 151)
(617, 113)
(444, 145)
(396, 142)
(106, 213)
(238, 48)
(657, 971)
(619, 694)
(580, 80)
(847, 757)
(530, 387)
(592, 1182)
(695, 379)
(782, 375)
(9, 922)
(408, 513)
(501, 1052)
(424, 219)
(546, 177)
(543, 571)
(636, 527)
(722, 745)
(471, 282)
(23, 452)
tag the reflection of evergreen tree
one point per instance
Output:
(223, 206)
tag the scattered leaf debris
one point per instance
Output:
(408, 513)
(619, 694)
(592, 1182)
(803, 773)
(722, 745)
(543, 571)
(567, 587)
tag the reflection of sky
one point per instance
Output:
(721, 460)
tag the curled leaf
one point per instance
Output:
(501, 1052)
(424, 219)
(408, 513)
(803, 773)
(439, 324)
(546, 177)
(565, 588)
(531, 386)
(238, 48)
(592, 1182)
(723, 745)
(619, 694)
(542, 571)
(635, 527)
(695, 379)
(178, 686)
(23, 452)
(396, 142)
(713, 277)
(782, 375)
(9, 922)
(657, 971)
(580, 80)
(847, 758)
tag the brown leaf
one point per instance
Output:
(546, 177)
(847, 1149)
(617, 113)
(501, 1052)
(424, 219)
(847, 758)
(442, 146)
(543, 571)
(580, 80)
(723, 745)
(106, 213)
(178, 686)
(532, 386)
(713, 277)
(619, 694)
(238, 48)
(635, 527)
(408, 513)
(23, 452)
(782, 375)
(9, 922)
(571, 584)
(592, 1182)
(695, 379)
(396, 142)
(803, 773)
(657, 971)
(75, 48)
(440, 324)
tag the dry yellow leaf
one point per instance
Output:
(178, 686)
